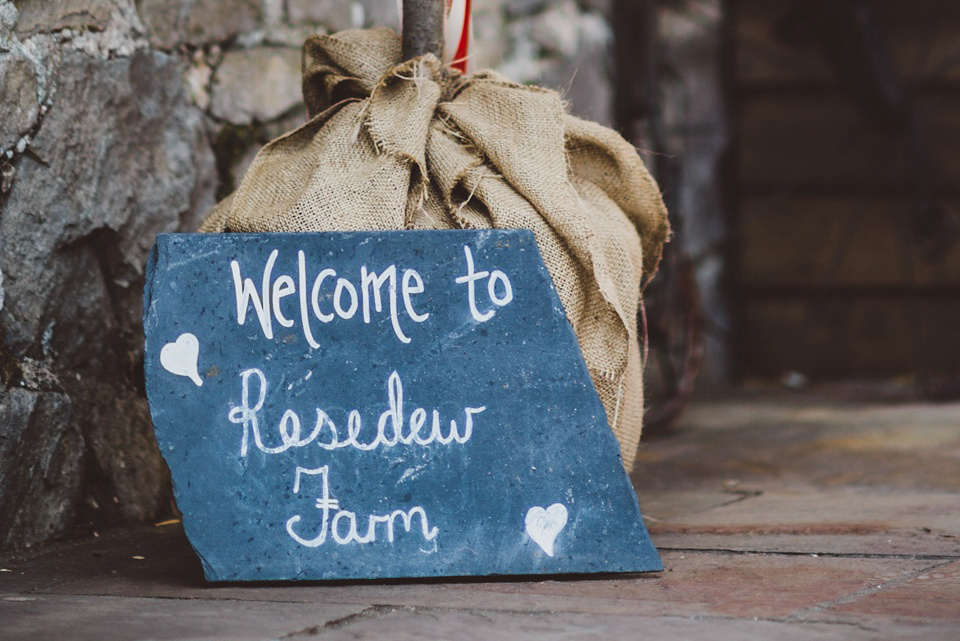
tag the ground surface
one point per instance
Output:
(813, 516)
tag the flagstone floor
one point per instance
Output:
(831, 514)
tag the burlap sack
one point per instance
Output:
(417, 146)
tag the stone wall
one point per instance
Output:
(121, 119)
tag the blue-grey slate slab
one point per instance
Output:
(380, 405)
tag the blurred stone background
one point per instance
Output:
(121, 119)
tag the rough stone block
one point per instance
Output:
(336, 15)
(382, 404)
(40, 466)
(43, 16)
(18, 99)
(256, 85)
(198, 22)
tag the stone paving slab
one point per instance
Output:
(810, 520)
(797, 440)
(166, 556)
(841, 510)
(44, 617)
(86, 618)
(932, 595)
(905, 545)
(158, 563)
(412, 625)
(822, 472)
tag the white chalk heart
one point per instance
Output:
(181, 357)
(543, 525)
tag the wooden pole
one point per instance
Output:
(422, 28)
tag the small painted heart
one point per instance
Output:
(181, 357)
(543, 525)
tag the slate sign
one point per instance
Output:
(375, 405)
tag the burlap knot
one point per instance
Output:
(412, 145)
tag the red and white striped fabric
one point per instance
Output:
(457, 31)
(456, 34)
